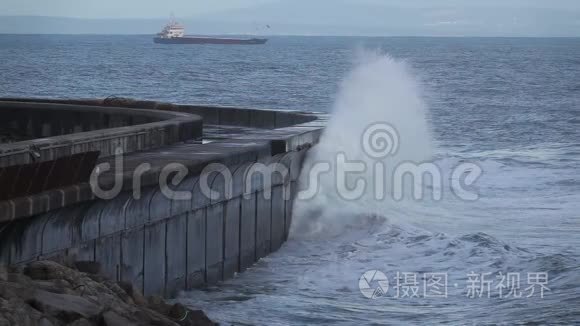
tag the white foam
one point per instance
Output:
(377, 89)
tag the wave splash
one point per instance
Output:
(378, 91)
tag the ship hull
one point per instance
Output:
(209, 40)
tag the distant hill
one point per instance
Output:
(65, 25)
(420, 17)
(335, 17)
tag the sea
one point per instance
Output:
(493, 239)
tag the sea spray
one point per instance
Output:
(379, 93)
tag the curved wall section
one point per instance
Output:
(36, 132)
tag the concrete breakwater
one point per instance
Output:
(241, 167)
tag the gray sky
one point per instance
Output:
(157, 8)
(316, 17)
(120, 8)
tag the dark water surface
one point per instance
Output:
(511, 105)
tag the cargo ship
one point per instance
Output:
(174, 33)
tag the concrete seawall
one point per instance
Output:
(251, 160)
(56, 130)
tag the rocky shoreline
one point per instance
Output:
(49, 294)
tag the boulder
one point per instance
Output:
(48, 270)
(150, 317)
(64, 306)
(81, 322)
(186, 317)
(158, 304)
(89, 267)
(18, 278)
(46, 322)
(9, 290)
(49, 294)
(16, 312)
(111, 318)
(55, 286)
(135, 294)
(3, 273)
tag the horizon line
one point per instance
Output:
(299, 35)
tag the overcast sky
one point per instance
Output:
(120, 8)
(160, 8)
(340, 17)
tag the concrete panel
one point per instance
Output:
(234, 117)
(278, 217)
(290, 206)
(86, 226)
(6, 211)
(39, 203)
(57, 233)
(70, 195)
(291, 189)
(83, 252)
(255, 176)
(85, 193)
(232, 237)
(209, 114)
(137, 211)
(113, 216)
(132, 245)
(154, 259)
(248, 231)
(25, 239)
(160, 206)
(221, 184)
(179, 207)
(21, 206)
(199, 198)
(214, 253)
(196, 226)
(239, 179)
(297, 162)
(108, 254)
(280, 170)
(4, 256)
(263, 225)
(293, 161)
(285, 119)
(263, 119)
(266, 173)
(176, 253)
